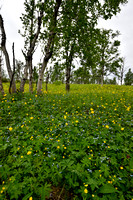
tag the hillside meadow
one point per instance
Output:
(76, 145)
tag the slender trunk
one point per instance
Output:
(49, 47)
(4, 50)
(68, 72)
(1, 85)
(29, 55)
(30, 75)
(47, 78)
(40, 78)
(68, 66)
(23, 81)
(102, 78)
(102, 75)
(13, 69)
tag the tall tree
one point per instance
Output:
(50, 43)
(32, 20)
(129, 77)
(105, 59)
(5, 52)
(121, 70)
(1, 85)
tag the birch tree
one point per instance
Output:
(1, 85)
(5, 52)
(50, 43)
(31, 20)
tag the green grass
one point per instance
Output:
(78, 144)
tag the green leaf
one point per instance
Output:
(108, 188)
(27, 196)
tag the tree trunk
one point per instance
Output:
(22, 84)
(40, 78)
(13, 69)
(29, 56)
(68, 73)
(102, 78)
(49, 47)
(68, 66)
(30, 75)
(1, 86)
(3, 48)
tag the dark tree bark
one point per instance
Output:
(1, 85)
(29, 56)
(13, 69)
(4, 50)
(49, 47)
(69, 60)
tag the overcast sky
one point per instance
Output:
(11, 11)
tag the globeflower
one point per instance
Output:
(10, 129)
(29, 152)
(85, 191)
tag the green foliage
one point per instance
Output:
(128, 77)
(80, 142)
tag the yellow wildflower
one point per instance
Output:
(85, 191)
(29, 152)
(10, 129)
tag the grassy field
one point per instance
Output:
(67, 146)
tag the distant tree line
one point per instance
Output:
(65, 31)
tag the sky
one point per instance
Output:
(11, 11)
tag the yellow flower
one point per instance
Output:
(10, 129)
(29, 152)
(107, 126)
(3, 188)
(64, 147)
(93, 195)
(85, 191)
(128, 108)
(31, 117)
(30, 198)
(122, 129)
(64, 116)
(58, 147)
(121, 167)
(86, 185)
(66, 124)
(22, 156)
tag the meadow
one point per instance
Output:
(59, 145)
